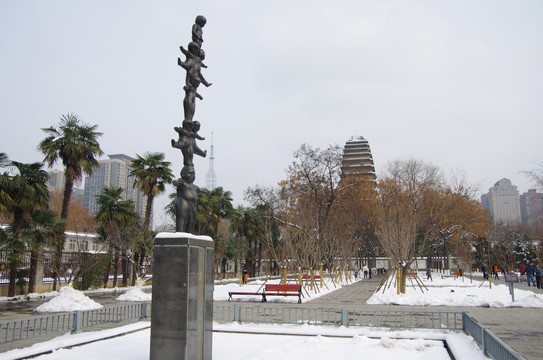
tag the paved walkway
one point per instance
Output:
(520, 328)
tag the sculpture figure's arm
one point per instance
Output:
(185, 52)
(185, 65)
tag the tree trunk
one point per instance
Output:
(259, 257)
(148, 210)
(402, 277)
(223, 267)
(14, 254)
(106, 275)
(115, 268)
(13, 265)
(33, 270)
(141, 265)
(67, 193)
(124, 269)
(135, 269)
(57, 260)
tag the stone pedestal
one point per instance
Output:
(182, 308)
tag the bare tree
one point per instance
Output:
(416, 205)
(536, 175)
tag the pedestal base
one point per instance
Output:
(182, 307)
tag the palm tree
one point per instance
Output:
(116, 217)
(43, 228)
(76, 145)
(151, 173)
(245, 223)
(212, 208)
(27, 192)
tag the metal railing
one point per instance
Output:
(70, 322)
(490, 343)
(79, 320)
(345, 317)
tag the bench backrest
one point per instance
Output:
(306, 277)
(282, 287)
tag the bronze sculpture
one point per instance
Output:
(187, 192)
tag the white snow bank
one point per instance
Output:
(134, 294)
(455, 292)
(69, 299)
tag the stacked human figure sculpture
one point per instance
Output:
(187, 192)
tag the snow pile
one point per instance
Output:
(455, 292)
(134, 294)
(69, 299)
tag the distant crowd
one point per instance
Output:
(530, 273)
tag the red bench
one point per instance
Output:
(308, 277)
(273, 290)
(282, 290)
(230, 293)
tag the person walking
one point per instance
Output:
(530, 274)
(537, 274)
(522, 270)
(355, 272)
(483, 269)
(429, 274)
(496, 277)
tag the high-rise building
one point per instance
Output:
(531, 207)
(211, 177)
(56, 179)
(113, 172)
(357, 160)
(57, 182)
(503, 202)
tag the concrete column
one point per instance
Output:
(182, 303)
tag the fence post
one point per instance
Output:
(483, 334)
(143, 311)
(237, 313)
(344, 317)
(77, 322)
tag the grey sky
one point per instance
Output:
(457, 83)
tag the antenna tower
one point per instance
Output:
(211, 177)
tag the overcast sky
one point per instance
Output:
(456, 83)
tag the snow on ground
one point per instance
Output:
(134, 294)
(69, 299)
(452, 291)
(447, 291)
(263, 342)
